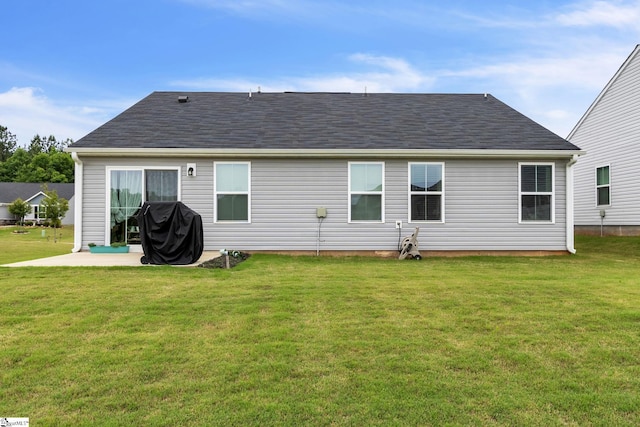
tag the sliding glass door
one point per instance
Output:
(129, 189)
(126, 200)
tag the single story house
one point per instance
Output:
(336, 172)
(32, 193)
(607, 197)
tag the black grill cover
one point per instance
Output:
(170, 233)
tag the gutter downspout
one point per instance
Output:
(570, 205)
(77, 228)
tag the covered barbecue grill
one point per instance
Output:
(170, 233)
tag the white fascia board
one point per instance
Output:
(39, 193)
(320, 153)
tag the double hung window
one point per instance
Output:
(366, 192)
(232, 187)
(603, 186)
(536, 192)
(426, 192)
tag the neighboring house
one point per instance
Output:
(313, 172)
(607, 190)
(32, 193)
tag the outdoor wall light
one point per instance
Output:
(191, 169)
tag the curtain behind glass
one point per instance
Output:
(126, 195)
(602, 175)
(161, 185)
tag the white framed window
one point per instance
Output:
(426, 192)
(536, 192)
(232, 191)
(603, 186)
(366, 192)
(128, 188)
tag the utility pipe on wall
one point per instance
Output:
(569, 204)
(77, 228)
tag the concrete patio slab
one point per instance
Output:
(87, 259)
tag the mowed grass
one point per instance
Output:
(33, 244)
(329, 341)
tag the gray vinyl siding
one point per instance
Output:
(610, 134)
(93, 203)
(481, 206)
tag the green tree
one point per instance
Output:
(62, 167)
(57, 166)
(20, 209)
(38, 169)
(15, 166)
(36, 146)
(7, 144)
(43, 161)
(54, 208)
(47, 145)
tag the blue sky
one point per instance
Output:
(67, 66)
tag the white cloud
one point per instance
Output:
(26, 111)
(602, 13)
(382, 74)
(588, 70)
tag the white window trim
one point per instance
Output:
(434, 193)
(552, 193)
(107, 190)
(380, 193)
(599, 186)
(216, 192)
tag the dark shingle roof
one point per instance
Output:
(213, 120)
(10, 191)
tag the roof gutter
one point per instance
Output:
(319, 153)
(570, 205)
(77, 229)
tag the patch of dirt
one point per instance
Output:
(219, 262)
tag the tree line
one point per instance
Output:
(44, 160)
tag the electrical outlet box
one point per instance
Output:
(398, 224)
(321, 212)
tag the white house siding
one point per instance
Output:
(93, 201)
(481, 206)
(610, 134)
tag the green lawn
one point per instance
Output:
(35, 243)
(328, 341)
